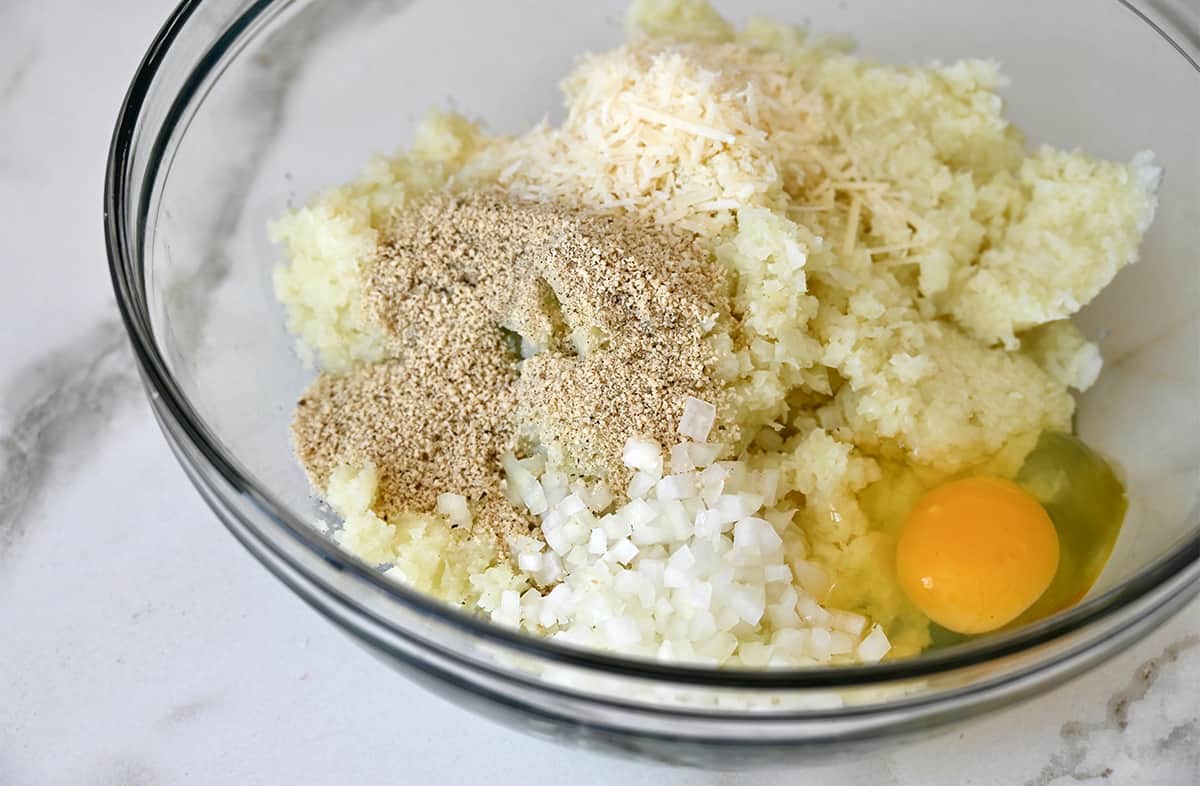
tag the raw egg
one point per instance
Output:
(976, 553)
(1086, 501)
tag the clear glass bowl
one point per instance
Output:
(242, 108)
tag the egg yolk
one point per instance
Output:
(975, 553)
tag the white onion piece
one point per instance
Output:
(644, 455)
(698, 418)
(455, 508)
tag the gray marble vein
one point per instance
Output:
(19, 53)
(262, 105)
(59, 404)
(1165, 736)
(17, 72)
(129, 772)
(186, 712)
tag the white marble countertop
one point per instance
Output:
(141, 646)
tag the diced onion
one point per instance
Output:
(698, 418)
(692, 566)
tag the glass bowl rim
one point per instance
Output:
(126, 260)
